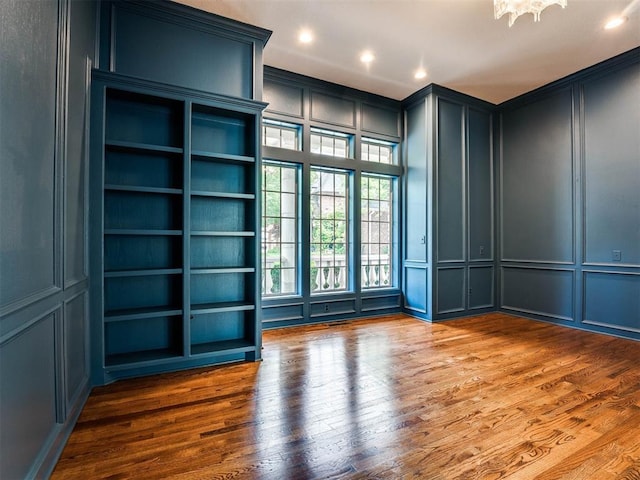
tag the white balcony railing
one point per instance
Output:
(329, 275)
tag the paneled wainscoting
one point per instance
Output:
(485, 397)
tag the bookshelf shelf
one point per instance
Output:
(180, 271)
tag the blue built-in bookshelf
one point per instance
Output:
(176, 208)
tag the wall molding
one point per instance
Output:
(290, 78)
(414, 309)
(25, 327)
(419, 264)
(586, 273)
(536, 313)
(540, 313)
(364, 104)
(493, 286)
(41, 316)
(28, 301)
(543, 95)
(463, 291)
(45, 464)
(351, 125)
(610, 325)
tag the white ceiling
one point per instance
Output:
(458, 42)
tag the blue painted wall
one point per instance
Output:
(569, 200)
(309, 102)
(181, 46)
(449, 228)
(418, 199)
(565, 194)
(47, 52)
(575, 142)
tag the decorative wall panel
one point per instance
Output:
(538, 291)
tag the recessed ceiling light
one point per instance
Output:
(305, 36)
(367, 57)
(420, 74)
(615, 22)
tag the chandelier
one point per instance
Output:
(515, 8)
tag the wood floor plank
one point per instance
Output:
(487, 397)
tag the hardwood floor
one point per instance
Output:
(486, 397)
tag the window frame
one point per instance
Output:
(392, 243)
(318, 302)
(333, 135)
(314, 270)
(297, 244)
(392, 146)
(282, 126)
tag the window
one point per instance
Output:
(326, 142)
(376, 195)
(377, 151)
(279, 229)
(280, 134)
(328, 256)
(329, 203)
